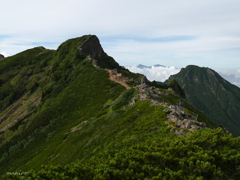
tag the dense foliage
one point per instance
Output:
(204, 154)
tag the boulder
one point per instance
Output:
(1, 57)
(151, 90)
(133, 101)
(180, 108)
(178, 123)
(201, 124)
(195, 127)
(172, 107)
(144, 80)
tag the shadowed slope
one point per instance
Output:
(210, 93)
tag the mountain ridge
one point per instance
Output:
(210, 88)
(70, 116)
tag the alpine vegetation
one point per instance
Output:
(74, 113)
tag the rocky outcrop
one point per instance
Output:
(133, 101)
(1, 57)
(92, 47)
(143, 80)
(146, 92)
(183, 120)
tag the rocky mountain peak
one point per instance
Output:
(40, 47)
(92, 47)
(1, 57)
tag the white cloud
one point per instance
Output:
(155, 73)
(236, 83)
(231, 75)
(4, 54)
(230, 72)
(237, 75)
(226, 72)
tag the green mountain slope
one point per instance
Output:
(210, 93)
(74, 113)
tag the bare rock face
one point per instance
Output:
(144, 80)
(1, 57)
(92, 47)
(182, 121)
(188, 123)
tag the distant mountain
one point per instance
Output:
(212, 94)
(149, 67)
(158, 65)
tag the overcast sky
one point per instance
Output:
(172, 33)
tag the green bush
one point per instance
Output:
(123, 99)
(203, 154)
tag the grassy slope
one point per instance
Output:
(83, 98)
(70, 108)
(20, 75)
(114, 130)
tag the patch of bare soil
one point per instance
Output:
(78, 127)
(9, 113)
(35, 100)
(12, 105)
(117, 77)
(14, 109)
(113, 75)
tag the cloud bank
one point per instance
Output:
(155, 73)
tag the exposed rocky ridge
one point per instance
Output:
(92, 47)
(181, 118)
(1, 57)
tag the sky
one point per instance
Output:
(172, 33)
